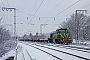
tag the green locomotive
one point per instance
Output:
(60, 36)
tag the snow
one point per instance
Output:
(60, 54)
(83, 54)
(34, 53)
(85, 42)
(26, 52)
(37, 54)
(10, 53)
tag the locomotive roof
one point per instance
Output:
(58, 30)
(61, 29)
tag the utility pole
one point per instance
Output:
(77, 22)
(14, 24)
(41, 28)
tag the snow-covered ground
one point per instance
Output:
(34, 53)
(25, 52)
(9, 54)
(81, 41)
(79, 53)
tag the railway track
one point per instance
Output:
(61, 52)
(70, 47)
(23, 56)
(26, 55)
(73, 48)
(47, 52)
(65, 52)
(58, 51)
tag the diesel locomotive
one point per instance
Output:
(60, 36)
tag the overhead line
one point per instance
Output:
(52, 10)
(74, 11)
(67, 8)
(82, 7)
(33, 7)
(55, 7)
(8, 3)
(86, 6)
(37, 10)
(33, 15)
(1, 18)
(26, 13)
(2, 3)
(32, 10)
(64, 10)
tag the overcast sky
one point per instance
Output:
(33, 13)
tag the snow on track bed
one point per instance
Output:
(47, 52)
(59, 51)
(83, 49)
(35, 54)
(26, 55)
(63, 54)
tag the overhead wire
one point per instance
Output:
(86, 6)
(26, 13)
(52, 10)
(33, 7)
(2, 10)
(1, 19)
(32, 10)
(7, 12)
(8, 3)
(55, 7)
(65, 9)
(34, 13)
(74, 11)
(2, 3)
(37, 10)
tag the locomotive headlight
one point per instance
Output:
(63, 37)
(69, 37)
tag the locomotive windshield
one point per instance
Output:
(62, 30)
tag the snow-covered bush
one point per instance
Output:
(6, 43)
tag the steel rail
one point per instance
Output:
(64, 52)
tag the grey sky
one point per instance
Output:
(48, 9)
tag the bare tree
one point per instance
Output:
(83, 26)
(6, 43)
